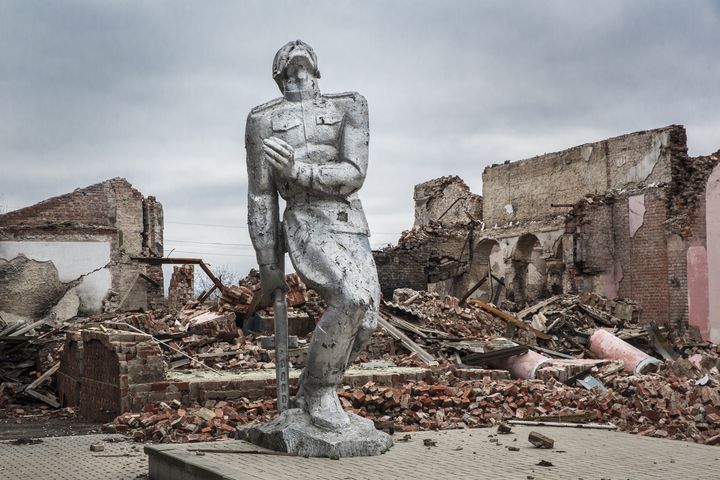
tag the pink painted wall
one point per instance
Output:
(636, 214)
(698, 306)
(712, 219)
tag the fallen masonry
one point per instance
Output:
(139, 380)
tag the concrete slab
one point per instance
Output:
(476, 453)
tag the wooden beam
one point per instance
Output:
(27, 328)
(150, 280)
(508, 318)
(30, 389)
(205, 295)
(534, 308)
(472, 290)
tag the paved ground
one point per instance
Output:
(70, 458)
(578, 454)
(42, 426)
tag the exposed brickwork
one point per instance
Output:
(111, 211)
(401, 269)
(125, 371)
(527, 189)
(686, 193)
(182, 287)
(112, 363)
(586, 191)
(649, 267)
(644, 257)
(71, 370)
(445, 200)
(424, 255)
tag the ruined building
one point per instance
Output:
(628, 217)
(72, 254)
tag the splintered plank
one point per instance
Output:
(509, 318)
(406, 341)
(534, 308)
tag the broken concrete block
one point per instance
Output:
(504, 429)
(540, 440)
(220, 327)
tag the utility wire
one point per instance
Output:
(211, 243)
(217, 254)
(244, 227)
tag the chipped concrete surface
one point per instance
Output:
(70, 261)
(30, 287)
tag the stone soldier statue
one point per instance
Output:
(312, 150)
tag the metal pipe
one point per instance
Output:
(281, 351)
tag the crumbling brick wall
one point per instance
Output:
(425, 255)
(401, 268)
(647, 264)
(182, 287)
(528, 189)
(111, 213)
(446, 200)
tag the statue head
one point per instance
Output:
(295, 53)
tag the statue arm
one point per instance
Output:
(347, 175)
(263, 210)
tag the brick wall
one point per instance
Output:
(446, 200)
(112, 210)
(644, 257)
(113, 363)
(526, 189)
(401, 269)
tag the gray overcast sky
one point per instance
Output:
(158, 92)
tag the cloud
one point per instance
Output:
(158, 92)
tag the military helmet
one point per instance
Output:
(282, 57)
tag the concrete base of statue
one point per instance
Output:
(292, 432)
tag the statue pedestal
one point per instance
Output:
(293, 432)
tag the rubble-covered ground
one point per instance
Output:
(681, 400)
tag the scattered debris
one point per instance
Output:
(26, 441)
(540, 441)
(504, 429)
(463, 389)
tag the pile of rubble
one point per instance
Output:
(660, 405)
(29, 356)
(171, 423)
(471, 351)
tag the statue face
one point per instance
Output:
(299, 67)
(295, 63)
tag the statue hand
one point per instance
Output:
(271, 279)
(281, 155)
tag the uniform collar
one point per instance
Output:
(298, 95)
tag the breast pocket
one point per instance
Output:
(328, 119)
(285, 123)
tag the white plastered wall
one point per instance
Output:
(72, 260)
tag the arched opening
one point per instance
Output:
(530, 270)
(486, 257)
(555, 270)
